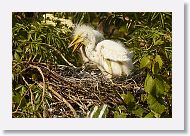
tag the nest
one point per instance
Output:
(74, 91)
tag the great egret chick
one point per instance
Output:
(79, 39)
(111, 57)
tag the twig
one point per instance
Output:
(56, 50)
(43, 79)
(31, 97)
(61, 98)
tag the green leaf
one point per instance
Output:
(162, 19)
(128, 98)
(155, 106)
(121, 108)
(37, 98)
(150, 115)
(16, 98)
(155, 68)
(18, 87)
(151, 100)
(29, 36)
(138, 112)
(18, 49)
(159, 83)
(143, 97)
(145, 62)
(122, 29)
(16, 56)
(23, 90)
(120, 115)
(158, 42)
(159, 60)
(154, 15)
(157, 115)
(149, 84)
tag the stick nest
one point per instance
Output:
(74, 91)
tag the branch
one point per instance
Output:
(62, 56)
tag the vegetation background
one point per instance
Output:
(43, 38)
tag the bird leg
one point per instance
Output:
(85, 65)
(107, 75)
(88, 64)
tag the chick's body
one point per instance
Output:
(111, 57)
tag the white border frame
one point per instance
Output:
(174, 123)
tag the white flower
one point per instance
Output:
(66, 22)
(48, 22)
(48, 16)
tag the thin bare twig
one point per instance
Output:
(61, 98)
(43, 79)
(62, 56)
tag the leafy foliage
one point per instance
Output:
(44, 38)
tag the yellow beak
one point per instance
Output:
(76, 43)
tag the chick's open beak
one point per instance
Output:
(76, 43)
